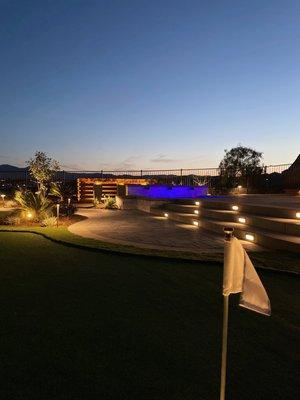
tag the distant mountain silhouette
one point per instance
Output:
(10, 168)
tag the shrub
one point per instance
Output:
(50, 221)
(34, 206)
(110, 203)
(96, 203)
(12, 220)
(63, 191)
(10, 204)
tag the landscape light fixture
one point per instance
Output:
(242, 220)
(69, 202)
(3, 197)
(29, 215)
(249, 237)
(235, 208)
(228, 231)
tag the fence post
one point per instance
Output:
(141, 173)
(101, 173)
(181, 177)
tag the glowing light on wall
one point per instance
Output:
(235, 208)
(167, 192)
(197, 203)
(249, 237)
(298, 215)
(242, 220)
(196, 223)
(166, 215)
(196, 212)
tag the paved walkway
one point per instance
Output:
(136, 228)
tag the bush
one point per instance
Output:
(12, 220)
(96, 203)
(10, 203)
(50, 221)
(34, 206)
(63, 191)
(110, 203)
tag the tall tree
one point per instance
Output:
(239, 166)
(42, 168)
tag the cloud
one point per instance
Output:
(128, 163)
(162, 158)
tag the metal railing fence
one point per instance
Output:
(180, 176)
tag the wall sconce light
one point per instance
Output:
(196, 212)
(242, 220)
(166, 215)
(235, 208)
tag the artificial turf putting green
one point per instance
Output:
(82, 325)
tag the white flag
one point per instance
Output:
(239, 276)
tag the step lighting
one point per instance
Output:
(196, 223)
(235, 208)
(242, 220)
(166, 215)
(249, 237)
(197, 203)
(196, 212)
(298, 215)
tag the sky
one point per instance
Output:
(134, 84)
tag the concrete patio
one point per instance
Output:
(139, 229)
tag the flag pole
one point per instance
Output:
(228, 236)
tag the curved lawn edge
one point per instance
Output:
(267, 261)
(64, 237)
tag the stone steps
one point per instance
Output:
(269, 226)
(280, 225)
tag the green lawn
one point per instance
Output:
(77, 324)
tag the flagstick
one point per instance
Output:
(228, 237)
(224, 347)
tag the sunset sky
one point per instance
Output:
(125, 84)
